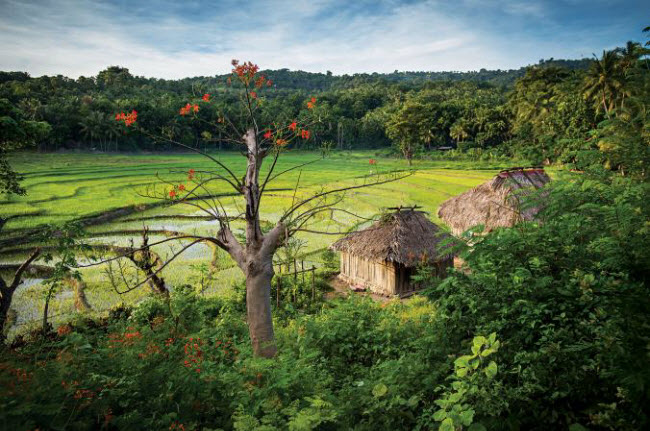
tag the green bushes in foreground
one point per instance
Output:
(547, 330)
(569, 300)
(189, 362)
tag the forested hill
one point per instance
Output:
(300, 80)
(318, 81)
(580, 112)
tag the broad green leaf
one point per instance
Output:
(466, 417)
(379, 390)
(491, 369)
(447, 425)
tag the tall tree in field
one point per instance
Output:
(253, 254)
(407, 128)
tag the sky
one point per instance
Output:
(184, 38)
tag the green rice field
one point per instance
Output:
(66, 187)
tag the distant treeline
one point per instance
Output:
(548, 112)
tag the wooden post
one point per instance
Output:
(295, 270)
(313, 283)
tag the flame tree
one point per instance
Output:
(253, 254)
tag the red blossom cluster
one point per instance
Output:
(268, 134)
(261, 80)
(311, 103)
(190, 174)
(206, 97)
(21, 378)
(305, 134)
(176, 426)
(253, 95)
(282, 142)
(293, 126)
(63, 330)
(128, 119)
(115, 340)
(193, 354)
(152, 349)
(226, 348)
(245, 71)
(176, 189)
(189, 108)
(78, 393)
(372, 161)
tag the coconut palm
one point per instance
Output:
(603, 83)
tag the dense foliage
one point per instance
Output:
(578, 112)
(569, 299)
(547, 329)
(354, 107)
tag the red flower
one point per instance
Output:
(172, 193)
(269, 83)
(281, 142)
(293, 126)
(196, 108)
(305, 134)
(311, 103)
(253, 95)
(181, 187)
(131, 118)
(127, 118)
(259, 82)
(206, 97)
(268, 134)
(245, 72)
(372, 161)
(313, 100)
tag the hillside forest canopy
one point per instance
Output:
(540, 325)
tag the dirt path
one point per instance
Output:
(342, 290)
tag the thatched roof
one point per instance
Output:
(496, 203)
(406, 237)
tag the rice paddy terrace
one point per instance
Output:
(106, 192)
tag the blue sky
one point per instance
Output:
(175, 39)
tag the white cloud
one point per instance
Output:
(63, 37)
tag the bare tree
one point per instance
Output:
(254, 254)
(7, 290)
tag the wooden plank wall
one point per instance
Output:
(378, 276)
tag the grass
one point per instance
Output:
(65, 187)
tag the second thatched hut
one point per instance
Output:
(383, 257)
(496, 203)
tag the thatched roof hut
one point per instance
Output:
(496, 203)
(383, 257)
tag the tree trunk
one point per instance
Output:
(7, 291)
(258, 308)
(46, 325)
(80, 302)
(5, 304)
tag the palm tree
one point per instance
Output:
(459, 130)
(629, 55)
(92, 127)
(604, 82)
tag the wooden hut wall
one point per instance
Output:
(378, 276)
